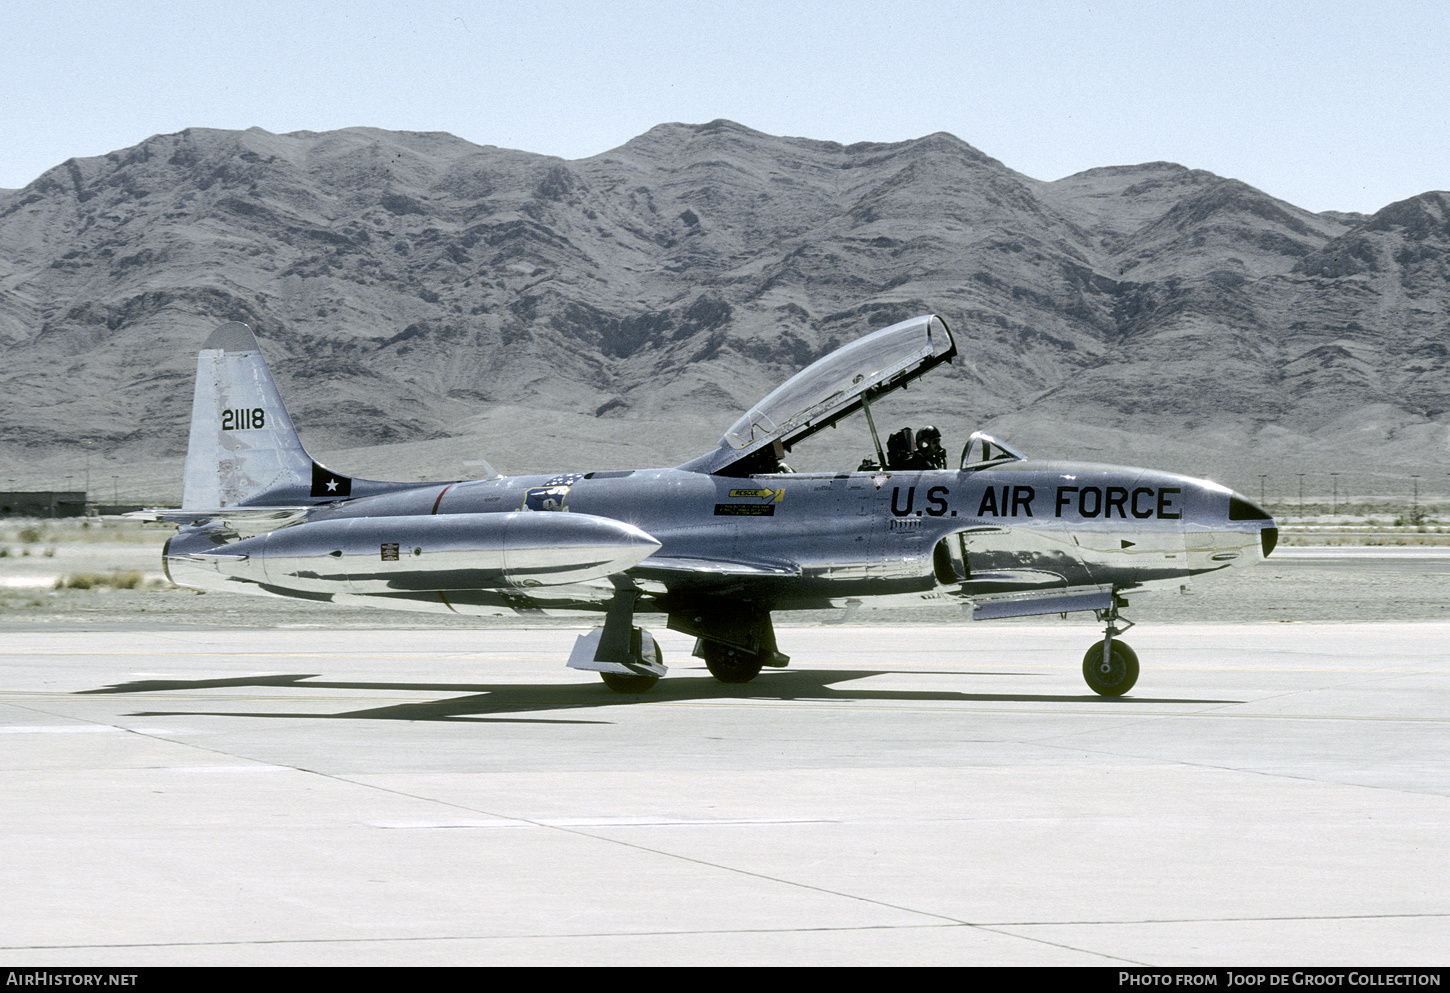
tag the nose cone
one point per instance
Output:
(1242, 509)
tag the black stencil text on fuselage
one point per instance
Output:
(1089, 502)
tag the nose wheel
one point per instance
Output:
(1111, 667)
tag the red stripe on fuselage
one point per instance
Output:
(440, 497)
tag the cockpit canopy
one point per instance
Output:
(834, 387)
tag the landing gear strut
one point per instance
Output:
(1111, 667)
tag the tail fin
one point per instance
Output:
(243, 444)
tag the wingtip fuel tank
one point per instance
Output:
(409, 554)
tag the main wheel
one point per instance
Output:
(647, 652)
(620, 683)
(1114, 676)
(730, 665)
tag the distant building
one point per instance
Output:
(43, 503)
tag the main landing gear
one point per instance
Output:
(1111, 667)
(627, 658)
(735, 644)
(636, 682)
(730, 664)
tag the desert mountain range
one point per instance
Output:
(425, 302)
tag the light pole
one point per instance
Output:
(1261, 487)
(1301, 493)
(1334, 500)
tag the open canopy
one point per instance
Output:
(833, 387)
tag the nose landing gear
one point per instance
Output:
(1111, 667)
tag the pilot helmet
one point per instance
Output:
(928, 437)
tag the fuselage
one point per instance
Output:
(781, 540)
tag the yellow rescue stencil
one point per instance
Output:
(776, 495)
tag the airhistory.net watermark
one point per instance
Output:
(43, 977)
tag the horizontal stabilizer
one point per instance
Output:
(242, 520)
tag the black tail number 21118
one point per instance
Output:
(242, 419)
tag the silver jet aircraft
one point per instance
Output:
(714, 546)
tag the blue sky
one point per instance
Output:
(1331, 106)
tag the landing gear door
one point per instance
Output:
(949, 560)
(999, 559)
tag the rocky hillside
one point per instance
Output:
(425, 301)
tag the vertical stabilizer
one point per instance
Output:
(243, 444)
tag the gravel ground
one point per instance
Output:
(1284, 591)
(1389, 583)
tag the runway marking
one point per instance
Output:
(320, 699)
(568, 822)
(89, 729)
(1117, 711)
(1068, 709)
(1429, 915)
(700, 932)
(893, 668)
(564, 936)
(438, 656)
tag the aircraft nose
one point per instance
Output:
(1240, 508)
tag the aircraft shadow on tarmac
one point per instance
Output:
(495, 701)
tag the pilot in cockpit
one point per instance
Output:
(929, 452)
(906, 452)
(777, 451)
